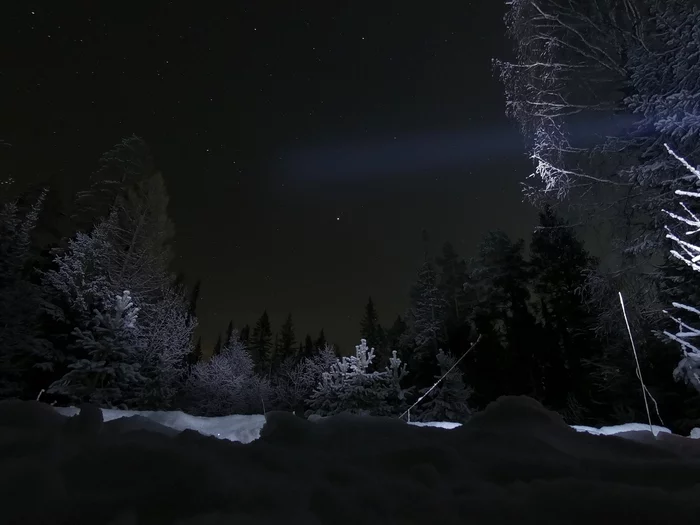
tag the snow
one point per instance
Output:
(243, 429)
(621, 429)
(515, 462)
(449, 425)
(695, 433)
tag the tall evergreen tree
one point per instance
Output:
(20, 298)
(425, 332)
(260, 343)
(308, 346)
(371, 330)
(560, 266)
(321, 340)
(229, 331)
(218, 346)
(123, 167)
(287, 340)
(395, 334)
(452, 274)
(245, 334)
(194, 297)
(498, 285)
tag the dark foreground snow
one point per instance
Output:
(514, 464)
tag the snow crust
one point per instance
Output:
(515, 462)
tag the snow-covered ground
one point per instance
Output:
(513, 463)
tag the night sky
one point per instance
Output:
(304, 148)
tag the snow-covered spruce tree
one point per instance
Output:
(72, 290)
(688, 252)
(350, 387)
(226, 384)
(20, 298)
(105, 369)
(448, 401)
(396, 401)
(126, 250)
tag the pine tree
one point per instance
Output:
(452, 275)
(105, 368)
(370, 328)
(425, 324)
(261, 343)
(308, 346)
(194, 297)
(245, 334)
(560, 266)
(287, 340)
(448, 400)
(126, 165)
(321, 341)
(498, 285)
(229, 331)
(395, 335)
(20, 298)
(217, 346)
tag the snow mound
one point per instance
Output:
(514, 463)
(695, 433)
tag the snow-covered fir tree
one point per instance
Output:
(448, 401)
(226, 384)
(104, 366)
(350, 387)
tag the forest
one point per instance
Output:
(91, 311)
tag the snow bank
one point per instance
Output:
(621, 429)
(243, 429)
(515, 462)
(449, 425)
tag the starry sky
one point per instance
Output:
(305, 145)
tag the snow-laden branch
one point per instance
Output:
(687, 252)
